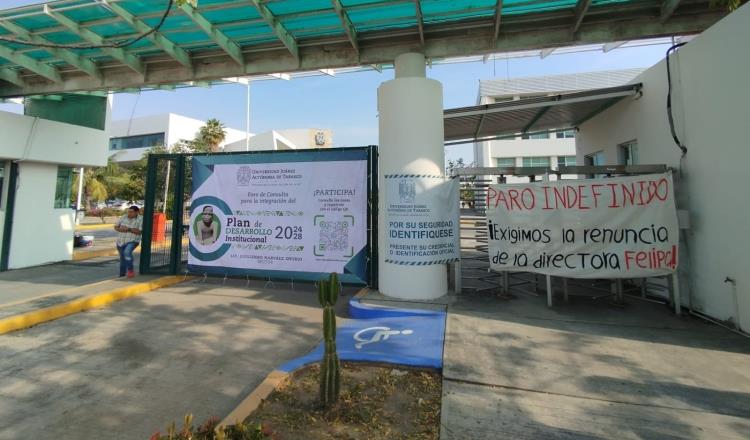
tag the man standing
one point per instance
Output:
(129, 237)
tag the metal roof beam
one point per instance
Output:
(581, 8)
(120, 54)
(498, 16)
(612, 93)
(420, 21)
(12, 77)
(381, 48)
(278, 28)
(218, 37)
(351, 32)
(667, 9)
(35, 66)
(533, 120)
(159, 40)
(81, 63)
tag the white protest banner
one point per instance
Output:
(624, 227)
(283, 219)
(422, 220)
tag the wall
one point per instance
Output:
(41, 234)
(5, 165)
(531, 148)
(711, 98)
(269, 140)
(34, 139)
(175, 128)
(304, 138)
(520, 148)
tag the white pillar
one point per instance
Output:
(411, 135)
(247, 116)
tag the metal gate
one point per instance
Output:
(476, 276)
(166, 213)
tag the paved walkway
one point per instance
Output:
(23, 290)
(127, 370)
(590, 370)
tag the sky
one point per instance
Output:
(347, 103)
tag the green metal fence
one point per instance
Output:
(164, 247)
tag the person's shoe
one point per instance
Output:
(131, 274)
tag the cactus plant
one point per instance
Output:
(330, 367)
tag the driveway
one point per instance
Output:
(125, 371)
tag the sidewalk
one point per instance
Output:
(25, 290)
(590, 370)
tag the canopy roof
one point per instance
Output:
(557, 112)
(231, 38)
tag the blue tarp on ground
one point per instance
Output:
(413, 338)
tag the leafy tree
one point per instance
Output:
(467, 194)
(731, 5)
(100, 183)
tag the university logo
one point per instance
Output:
(243, 176)
(320, 138)
(407, 191)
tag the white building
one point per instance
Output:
(540, 149)
(131, 138)
(710, 96)
(40, 156)
(289, 139)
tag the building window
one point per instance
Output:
(138, 141)
(536, 161)
(628, 153)
(506, 162)
(567, 134)
(542, 135)
(63, 187)
(595, 159)
(566, 161)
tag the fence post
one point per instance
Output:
(177, 212)
(373, 216)
(148, 215)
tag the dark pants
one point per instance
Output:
(126, 256)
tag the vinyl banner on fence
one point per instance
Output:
(280, 215)
(623, 227)
(421, 220)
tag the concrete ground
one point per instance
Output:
(588, 369)
(125, 371)
(23, 290)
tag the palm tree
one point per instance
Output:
(94, 188)
(99, 183)
(212, 134)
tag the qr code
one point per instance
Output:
(334, 236)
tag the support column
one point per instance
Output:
(411, 136)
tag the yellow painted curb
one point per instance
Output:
(86, 303)
(95, 227)
(86, 255)
(57, 292)
(254, 399)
